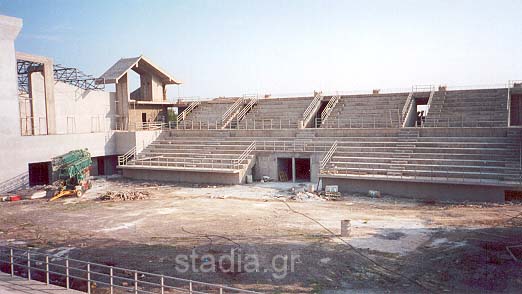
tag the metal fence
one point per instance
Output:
(66, 272)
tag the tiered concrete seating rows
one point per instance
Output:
(206, 115)
(468, 108)
(447, 159)
(215, 154)
(367, 111)
(277, 113)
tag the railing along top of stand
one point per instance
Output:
(422, 88)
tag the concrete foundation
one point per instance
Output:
(421, 190)
(182, 176)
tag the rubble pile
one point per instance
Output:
(125, 196)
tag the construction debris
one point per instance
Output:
(125, 196)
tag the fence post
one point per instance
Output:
(135, 282)
(47, 270)
(11, 261)
(28, 265)
(111, 275)
(220, 290)
(162, 283)
(89, 278)
(67, 273)
(190, 287)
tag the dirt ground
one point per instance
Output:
(395, 245)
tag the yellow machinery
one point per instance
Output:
(71, 173)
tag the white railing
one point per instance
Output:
(389, 119)
(292, 146)
(149, 126)
(511, 84)
(229, 115)
(83, 275)
(316, 102)
(407, 106)
(244, 156)
(17, 182)
(424, 172)
(430, 100)
(125, 158)
(252, 102)
(187, 110)
(463, 122)
(329, 107)
(422, 88)
(328, 155)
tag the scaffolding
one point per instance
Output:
(69, 75)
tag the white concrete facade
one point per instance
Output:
(84, 119)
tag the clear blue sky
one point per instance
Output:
(234, 47)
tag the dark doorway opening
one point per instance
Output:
(421, 106)
(512, 195)
(39, 173)
(101, 166)
(284, 169)
(302, 169)
(143, 117)
(516, 110)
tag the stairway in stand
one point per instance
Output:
(406, 143)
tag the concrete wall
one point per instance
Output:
(141, 139)
(154, 113)
(9, 29)
(421, 190)
(77, 110)
(183, 176)
(266, 164)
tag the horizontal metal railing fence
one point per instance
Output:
(389, 119)
(445, 173)
(458, 122)
(66, 272)
(15, 183)
(123, 159)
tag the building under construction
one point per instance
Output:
(429, 141)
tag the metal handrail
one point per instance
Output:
(422, 88)
(101, 274)
(317, 99)
(247, 108)
(328, 155)
(232, 109)
(153, 125)
(246, 153)
(372, 122)
(430, 101)
(407, 105)
(15, 183)
(124, 159)
(329, 107)
(187, 110)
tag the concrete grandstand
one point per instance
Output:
(433, 142)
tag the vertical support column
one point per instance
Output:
(293, 169)
(9, 29)
(50, 111)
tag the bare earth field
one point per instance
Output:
(395, 246)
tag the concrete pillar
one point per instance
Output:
(9, 116)
(293, 169)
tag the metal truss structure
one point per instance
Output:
(69, 75)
